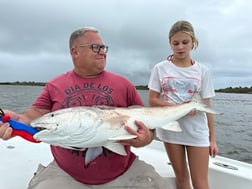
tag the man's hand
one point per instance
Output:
(144, 135)
(213, 149)
(5, 129)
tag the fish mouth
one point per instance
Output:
(40, 128)
(44, 126)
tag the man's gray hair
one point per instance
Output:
(80, 32)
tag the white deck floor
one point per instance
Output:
(19, 160)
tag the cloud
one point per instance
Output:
(34, 36)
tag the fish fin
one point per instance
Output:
(116, 148)
(205, 108)
(122, 137)
(76, 148)
(104, 107)
(172, 126)
(92, 153)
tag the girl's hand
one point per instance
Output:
(192, 113)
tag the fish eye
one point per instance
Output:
(52, 115)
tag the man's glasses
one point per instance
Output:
(96, 48)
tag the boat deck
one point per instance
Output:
(20, 160)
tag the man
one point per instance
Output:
(89, 84)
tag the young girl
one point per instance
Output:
(174, 81)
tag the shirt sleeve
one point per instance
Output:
(134, 97)
(43, 101)
(207, 87)
(154, 82)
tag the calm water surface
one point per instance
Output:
(233, 128)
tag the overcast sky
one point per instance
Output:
(34, 36)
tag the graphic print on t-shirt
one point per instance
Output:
(179, 89)
(88, 94)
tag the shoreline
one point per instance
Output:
(243, 90)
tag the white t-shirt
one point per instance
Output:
(178, 85)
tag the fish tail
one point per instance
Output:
(202, 106)
(206, 108)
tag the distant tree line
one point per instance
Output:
(32, 83)
(142, 87)
(225, 90)
(139, 87)
(236, 90)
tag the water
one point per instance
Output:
(233, 129)
(17, 98)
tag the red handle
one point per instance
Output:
(25, 135)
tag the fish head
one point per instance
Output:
(56, 120)
(69, 128)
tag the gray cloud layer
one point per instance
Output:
(34, 36)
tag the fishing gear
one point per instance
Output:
(19, 129)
